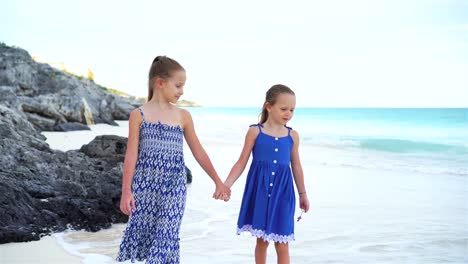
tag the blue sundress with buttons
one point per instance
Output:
(159, 189)
(268, 203)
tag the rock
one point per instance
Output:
(41, 123)
(52, 97)
(71, 127)
(186, 103)
(87, 113)
(8, 95)
(123, 106)
(105, 147)
(45, 191)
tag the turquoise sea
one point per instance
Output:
(432, 140)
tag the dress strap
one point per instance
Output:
(257, 125)
(141, 112)
(289, 130)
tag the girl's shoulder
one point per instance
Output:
(294, 134)
(184, 114)
(185, 118)
(256, 127)
(252, 133)
(254, 130)
(182, 111)
(291, 130)
(140, 110)
(136, 117)
(137, 114)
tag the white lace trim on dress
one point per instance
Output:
(267, 237)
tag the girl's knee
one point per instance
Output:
(282, 247)
(262, 243)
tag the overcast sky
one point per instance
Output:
(371, 53)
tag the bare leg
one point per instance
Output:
(261, 251)
(282, 251)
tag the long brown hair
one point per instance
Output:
(270, 98)
(161, 67)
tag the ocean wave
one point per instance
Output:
(410, 146)
(391, 145)
(350, 155)
(388, 166)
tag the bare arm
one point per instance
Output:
(200, 154)
(298, 173)
(239, 166)
(131, 155)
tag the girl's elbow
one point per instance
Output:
(240, 166)
(131, 154)
(130, 158)
(296, 169)
(199, 153)
(242, 161)
(296, 164)
(202, 158)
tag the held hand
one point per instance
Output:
(127, 203)
(225, 197)
(222, 192)
(304, 202)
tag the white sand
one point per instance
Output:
(47, 251)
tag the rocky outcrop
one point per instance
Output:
(187, 103)
(45, 190)
(50, 98)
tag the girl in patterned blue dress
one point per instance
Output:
(268, 203)
(154, 177)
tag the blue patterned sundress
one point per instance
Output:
(159, 189)
(268, 203)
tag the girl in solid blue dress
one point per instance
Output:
(268, 203)
(154, 179)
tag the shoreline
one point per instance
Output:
(45, 251)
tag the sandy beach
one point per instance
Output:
(382, 210)
(359, 214)
(45, 251)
